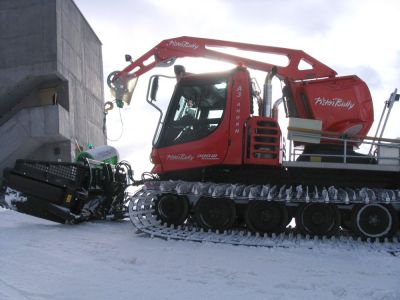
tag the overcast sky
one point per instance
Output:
(351, 36)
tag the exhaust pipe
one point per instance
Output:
(267, 101)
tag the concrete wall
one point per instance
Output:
(49, 55)
(80, 62)
(19, 139)
(28, 52)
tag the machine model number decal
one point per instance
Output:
(207, 156)
(190, 157)
(335, 102)
(183, 44)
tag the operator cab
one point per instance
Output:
(205, 125)
(196, 109)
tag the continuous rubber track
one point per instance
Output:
(145, 220)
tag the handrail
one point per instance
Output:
(294, 152)
(337, 134)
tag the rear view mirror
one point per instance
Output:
(154, 88)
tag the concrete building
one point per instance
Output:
(51, 81)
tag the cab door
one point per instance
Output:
(195, 132)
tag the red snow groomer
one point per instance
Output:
(222, 162)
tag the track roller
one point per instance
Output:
(318, 219)
(374, 221)
(266, 217)
(172, 209)
(215, 213)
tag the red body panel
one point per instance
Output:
(239, 111)
(343, 104)
(208, 151)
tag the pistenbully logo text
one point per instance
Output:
(335, 102)
(183, 44)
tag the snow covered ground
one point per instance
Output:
(107, 260)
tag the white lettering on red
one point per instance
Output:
(335, 102)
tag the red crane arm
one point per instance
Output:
(167, 51)
(122, 83)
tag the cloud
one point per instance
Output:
(397, 68)
(372, 77)
(311, 17)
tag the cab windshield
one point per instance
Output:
(196, 111)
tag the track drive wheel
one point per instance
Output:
(374, 221)
(172, 209)
(266, 217)
(318, 219)
(215, 214)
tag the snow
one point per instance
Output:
(108, 260)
